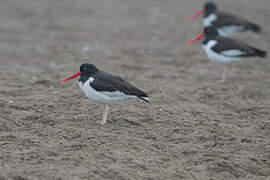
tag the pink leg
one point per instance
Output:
(223, 76)
(105, 114)
(232, 66)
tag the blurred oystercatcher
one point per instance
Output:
(226, 23)
(225, 50)
(105, 88)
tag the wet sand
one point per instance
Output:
(193, 128)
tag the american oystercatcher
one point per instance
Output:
(226, 23)
(225, 50)
(105, 88)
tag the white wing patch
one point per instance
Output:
(233, 53)
(116, 94)
(230, 30)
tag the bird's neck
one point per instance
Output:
(208, 14)
(85, 77)
(207, 39)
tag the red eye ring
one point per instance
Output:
(84, 68)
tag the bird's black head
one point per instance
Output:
(209, 8)
(210, 33)
(88, 69)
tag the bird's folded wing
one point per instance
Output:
(231, 47)
(114, 85)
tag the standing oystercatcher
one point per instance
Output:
(226, 23)
(105, 88)
(225, 50)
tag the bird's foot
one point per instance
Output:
(101, 122)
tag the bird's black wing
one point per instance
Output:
(111, 83)
(227, 19)
(235, 48)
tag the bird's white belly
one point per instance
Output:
(102, 97)
(215, 56)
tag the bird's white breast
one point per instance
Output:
(224, 57)
(207, 21)
(81, 84)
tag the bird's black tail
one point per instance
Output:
(260, 53)
(254, 27)
(144, 98)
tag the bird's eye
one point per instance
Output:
(84, 68)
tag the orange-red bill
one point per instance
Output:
(72, 77)
(196, 14)
(196, 38)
